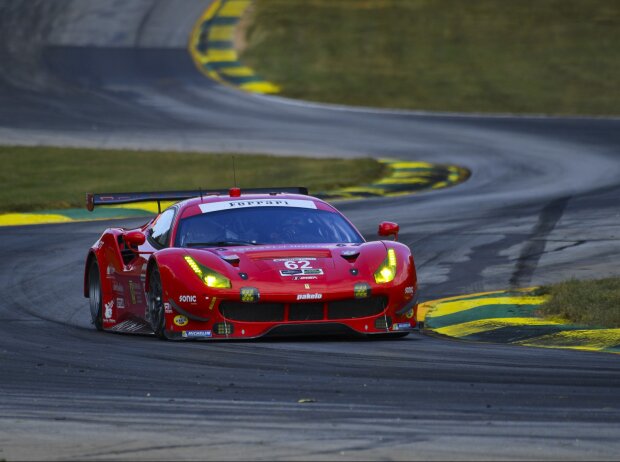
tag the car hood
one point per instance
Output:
(301, 264)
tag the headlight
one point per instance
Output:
(387, 270)
(210, 277)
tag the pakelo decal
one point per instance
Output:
(309, 296)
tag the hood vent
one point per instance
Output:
(289, 253)
(350, 255)
(232, 259)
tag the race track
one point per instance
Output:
(542, 205)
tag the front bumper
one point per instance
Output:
(232, 319)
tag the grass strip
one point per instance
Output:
(526, 56)
(592, 303)
(39, 178)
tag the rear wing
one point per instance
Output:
(95, 199)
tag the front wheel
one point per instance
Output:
(94, 295)
(157, 315)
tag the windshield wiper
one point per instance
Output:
(219, 244)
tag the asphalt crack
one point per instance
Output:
(534, 247)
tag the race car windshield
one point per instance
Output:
(265, 225)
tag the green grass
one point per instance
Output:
(524, 56)
(594, 303)
(35, 178)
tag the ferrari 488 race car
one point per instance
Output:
(233, 265)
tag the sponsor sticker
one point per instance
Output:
(409, 314)
(301, 272)
(401, 326)
(120, 303)
(108, 309)
(180, 320)
(409, 290)
(118, 287)
(196, 333)
(361, 290)
(304, 278)
(168, 308)
(249, 294)
(231, 205)
(309, 296)
(135, 293)
(187, 298)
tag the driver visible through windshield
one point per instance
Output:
(265, 225)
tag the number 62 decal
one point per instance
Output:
(299, 264)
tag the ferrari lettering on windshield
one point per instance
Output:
(230, 205)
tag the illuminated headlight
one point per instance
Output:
(210, 277)
(387, 270)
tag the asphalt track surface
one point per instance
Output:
(542, 205)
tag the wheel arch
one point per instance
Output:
(149, 269)
(89, 259)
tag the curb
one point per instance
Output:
(511, 316)
(403, 178)
(212, 47)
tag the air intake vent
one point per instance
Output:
(305, 311)
(252, 312)
(356, 308)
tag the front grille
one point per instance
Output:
(252, 312)
(356, 308)
(305, 311)
(311, 311)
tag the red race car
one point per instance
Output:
(233, 265)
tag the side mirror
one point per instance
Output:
(388, 228)
(134, 238)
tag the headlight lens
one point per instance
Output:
(210, 277)
(387, 270)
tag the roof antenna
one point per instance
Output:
(234, 171)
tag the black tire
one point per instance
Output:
(156, 312)
(94, 295)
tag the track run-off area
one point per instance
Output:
(541, 206)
